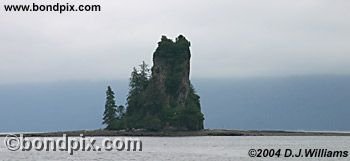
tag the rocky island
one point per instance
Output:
(160, 98)
(163, 102)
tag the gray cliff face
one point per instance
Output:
(171, 69)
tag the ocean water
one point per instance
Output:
(214, 148)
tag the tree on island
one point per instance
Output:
(160, 98)
(113, 114)
(138, 82)
(165, 98)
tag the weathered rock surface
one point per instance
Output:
(169, 100)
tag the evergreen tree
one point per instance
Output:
(110, 113)
(139, 79)
(138, 82)
(166, 99)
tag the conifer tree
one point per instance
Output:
(138, 82)
(110, 113)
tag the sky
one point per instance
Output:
(230, 38)
(69, 59)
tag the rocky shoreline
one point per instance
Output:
(206, 132)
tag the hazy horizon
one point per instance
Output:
(300, 103)
(256, 64)
(262, 67)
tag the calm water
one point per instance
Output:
(192, 148)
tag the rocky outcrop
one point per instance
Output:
(171, 69)
(169, 100)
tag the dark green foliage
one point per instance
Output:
(188, 117)
(167, 48)
(113, 114)
(165, 99)
(109, 115)
(192, 114)
(138, 83)
(152, 123)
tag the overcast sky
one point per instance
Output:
(230, 38)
